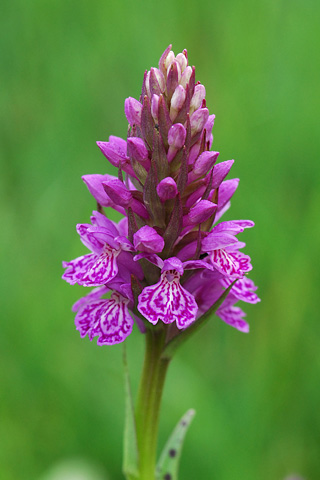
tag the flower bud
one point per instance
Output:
(147, 84)
(204, 163)
(167, 189)
(132, 109)
(155, 107)
(115, 150)
(185, 77)
(198, 96)
(173, 77)
(177, 135)
(198, 120)
(182, 60)
(177, 101)
(170, 58)
(160, 79)
(201, 212)
(209, 126)
(137, 150)
(174, 66)
(220, 171)
(118, 192)
(146, 239)
(162, 62)
(176, 139)
(194, 152)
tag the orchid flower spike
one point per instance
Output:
(169, 258)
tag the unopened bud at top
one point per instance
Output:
(198, 96)
(177, 101)
(160, 79)
(182, 60)
(170, 58)
(155, 82)
(155, 107)
(185, 77)
(163, 60)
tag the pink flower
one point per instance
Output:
(172, 194)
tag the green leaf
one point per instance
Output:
(179, 339)
(130, 445)
(168, 464)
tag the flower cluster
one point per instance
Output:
(167, 259)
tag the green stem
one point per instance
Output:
(149, 401)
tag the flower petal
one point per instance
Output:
(151, 257)
(95, 294)
(234, 316)
(168, 301)
(243, 289)
(94, 184)
(215, 241)
(78, 267)
(108, 319)
(231, 263)
(103, 270)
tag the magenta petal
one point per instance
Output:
(172, 263)
(244, 223)
(234, 316)
(108, 319)
(124, 243)
(243, 289)
(94, 184)
(195, 264)
(215, 241)
(99, 220)
(226, 190)
(127, 267)
(230, 263)
(168, 301)
(90, 241)
(230, 226)
(103, 270)
(95, 294)
(220, 171)
(151, 257)
(76, 269)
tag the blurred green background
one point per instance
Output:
(66, 68)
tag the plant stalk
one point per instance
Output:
(149, 401)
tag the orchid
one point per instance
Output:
(169, 264)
